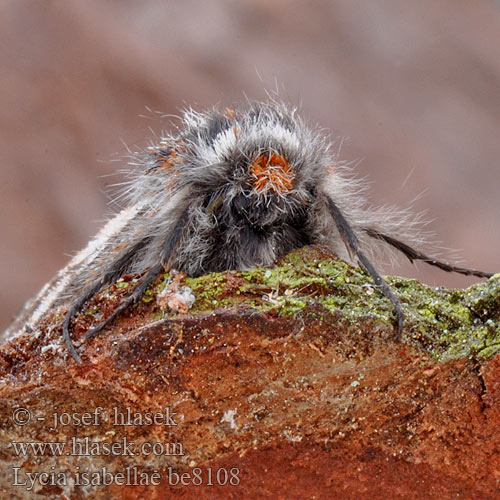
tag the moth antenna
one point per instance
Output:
(412, 254)
(167, 252)
(352, 243)
(116, 270)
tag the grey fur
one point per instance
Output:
(201, 172)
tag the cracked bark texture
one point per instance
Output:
(288, 375)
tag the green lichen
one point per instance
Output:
(446, 323)
(209, 285)
(149, 295)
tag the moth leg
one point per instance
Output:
(138, 292)
(167, 252)
(115, 271)
(413, 255)
(74, 309)
(350, 239)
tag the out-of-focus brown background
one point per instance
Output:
(413, 87)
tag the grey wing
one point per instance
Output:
(73, 275)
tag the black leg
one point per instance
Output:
(168, 250)
(413, 255)
(352, 244)
(116, 270)
(133, 297)
(74, 309)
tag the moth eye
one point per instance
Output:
(271, 172)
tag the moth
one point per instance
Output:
(229, 190)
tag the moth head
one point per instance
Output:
(271, 173)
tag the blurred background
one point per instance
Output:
(413, 88)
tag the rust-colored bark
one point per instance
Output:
(307, 407)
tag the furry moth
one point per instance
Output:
(228, 190)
